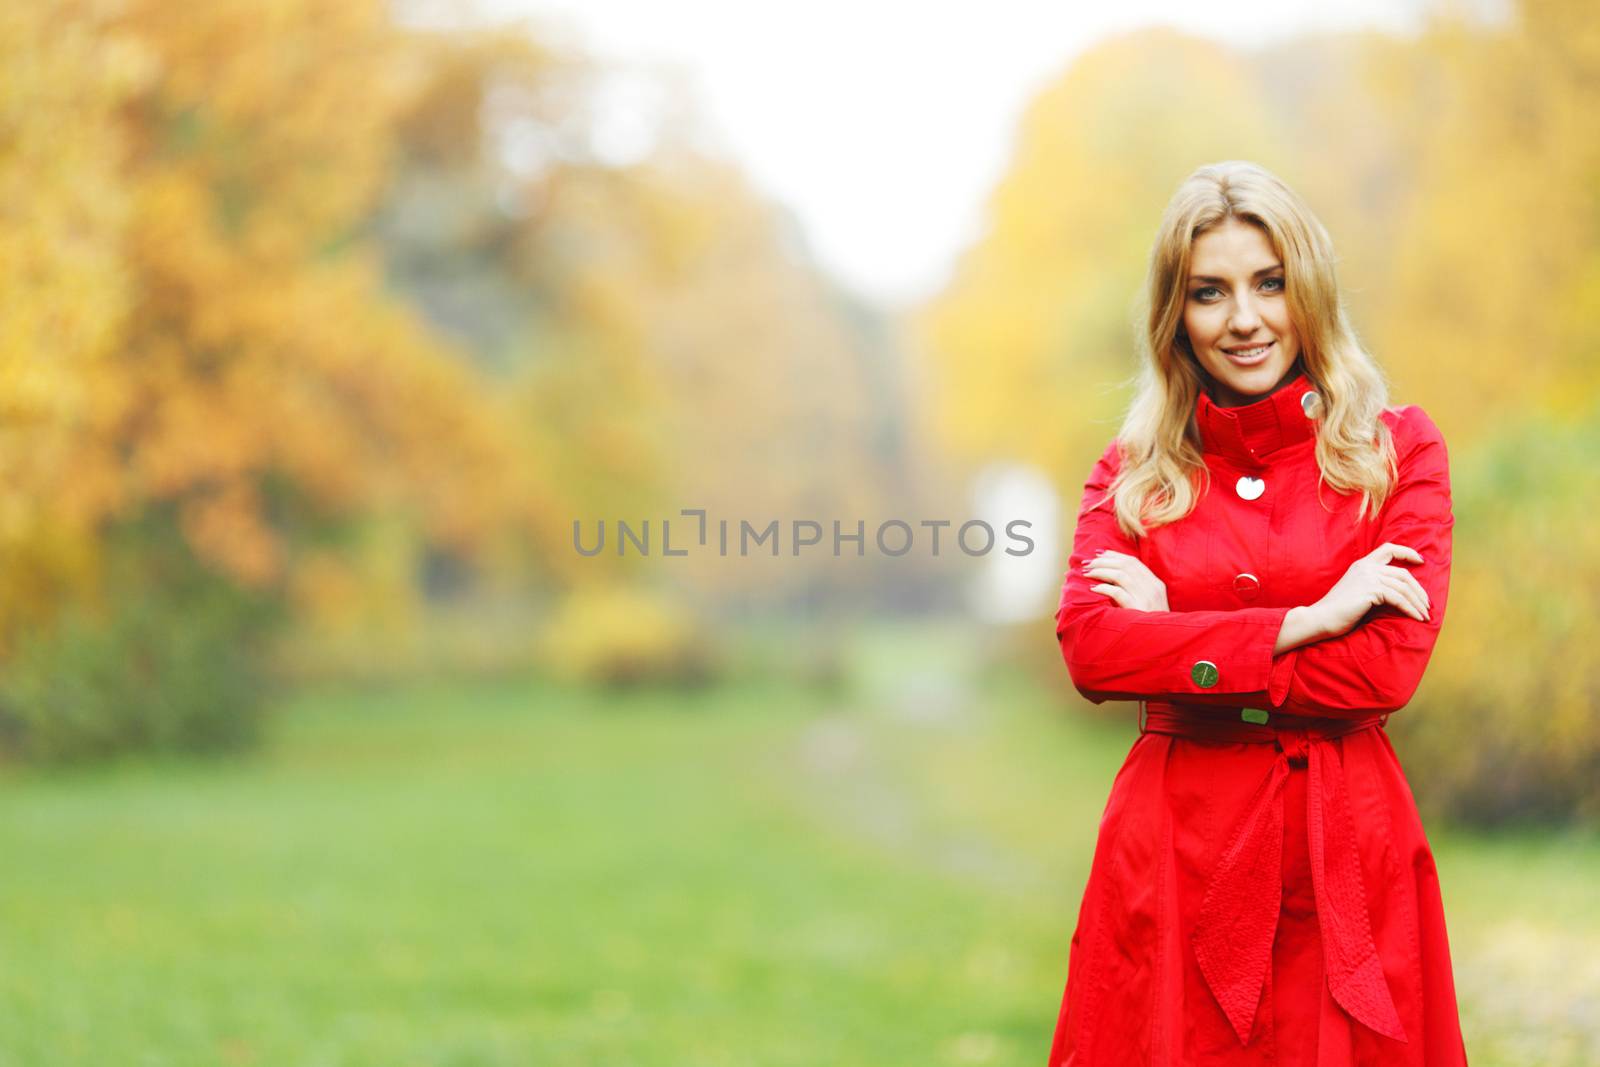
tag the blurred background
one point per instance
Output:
(335, 337)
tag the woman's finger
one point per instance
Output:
(1427, 601)
(1391, 550)
(1115, 592)
(1119, 560)
(1409, 580)
(1415, 605)
(1109, 571)
(1401, 596)
(1127, 565)
(1392, 597)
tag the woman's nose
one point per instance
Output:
(1244, 319)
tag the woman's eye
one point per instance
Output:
(1274, 281)
(1200, 294)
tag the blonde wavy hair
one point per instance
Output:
(1163, 475)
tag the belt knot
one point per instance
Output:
(1237, 921)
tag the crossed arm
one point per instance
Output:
(1126, 580)
(1264, 657)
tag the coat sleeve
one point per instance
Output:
(1377, 665)
(1117, 653)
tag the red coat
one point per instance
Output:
(1262, 891)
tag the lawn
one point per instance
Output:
(516, 872)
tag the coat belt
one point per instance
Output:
(1238, 916)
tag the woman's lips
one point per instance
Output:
(1250, 360)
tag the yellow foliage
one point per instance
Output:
(63, 286)
(1040, 314)
(183, 315)
(620, 635)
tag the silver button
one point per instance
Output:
(1249, 488)
(1309, 402)
(1246, 585)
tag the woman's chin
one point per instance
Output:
(1252, 383)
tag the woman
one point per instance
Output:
(1262, 559)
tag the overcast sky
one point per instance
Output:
(882, 125)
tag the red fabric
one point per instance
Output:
(1261, 894)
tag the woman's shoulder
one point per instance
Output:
(1110, 462)
(1420, 455)
(1412, 428)
(1097, 485)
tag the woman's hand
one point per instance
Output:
(1127, 580)
(1370, 581)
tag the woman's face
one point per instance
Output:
(1236, 314)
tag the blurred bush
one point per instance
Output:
(623, 636)
(164, 659)
(1505, 728)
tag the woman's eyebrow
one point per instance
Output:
(1214, 278)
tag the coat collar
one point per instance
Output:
(1252, 432)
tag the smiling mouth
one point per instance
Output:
(1249, 356)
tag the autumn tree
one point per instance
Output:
(222, 382)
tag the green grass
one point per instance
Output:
(520, 873)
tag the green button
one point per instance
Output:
(1255, 715)
(1204, 674)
